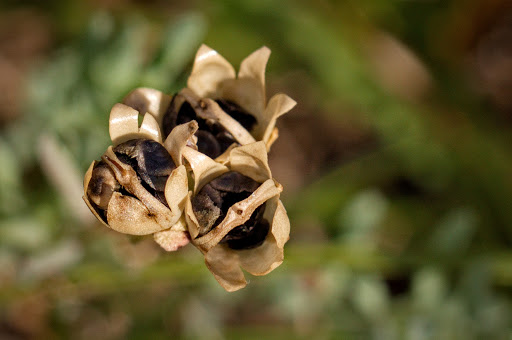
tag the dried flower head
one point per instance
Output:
(235, 217)
(229, 109)
(196, 169)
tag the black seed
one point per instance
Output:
(186, 114)
(149, 159)
(251, 234)
(177, 115)
(102, 185)
(208, 144)
(234, 182)
(207, 208)
(225, 140)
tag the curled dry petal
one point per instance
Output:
(148, 100)
(248, 90)
(179, 138)
(124, 125)
(203, 167)
(278, 105)
(210, 69)
(251, 160)
(224, 264)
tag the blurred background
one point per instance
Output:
(396, 163)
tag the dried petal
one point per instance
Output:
(252, 160)
(179, 138)
(224, 264)
(147, 100)
(171, 240)
(128, 215)
(278, 105)
(203, 167)
(210, 69)
(123, 125)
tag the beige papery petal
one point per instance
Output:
(248, 90)
(144, 214)
(251, 160)
(224, 264)
(148, 100)
(181, 137)
(124, 125)
(265, 258)
(278, 105)
(209, 70)
(203, 167)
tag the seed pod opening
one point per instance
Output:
(150, 160)
(220, 124)
(212, 203)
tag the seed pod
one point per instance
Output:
(214, 78)
(235, 217)
(139, 187)
(130, 189)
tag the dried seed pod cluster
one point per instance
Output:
(196, 169)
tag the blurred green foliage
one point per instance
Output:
(408, 238)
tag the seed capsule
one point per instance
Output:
(240, 95)
(130, 189)
(235, 217)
